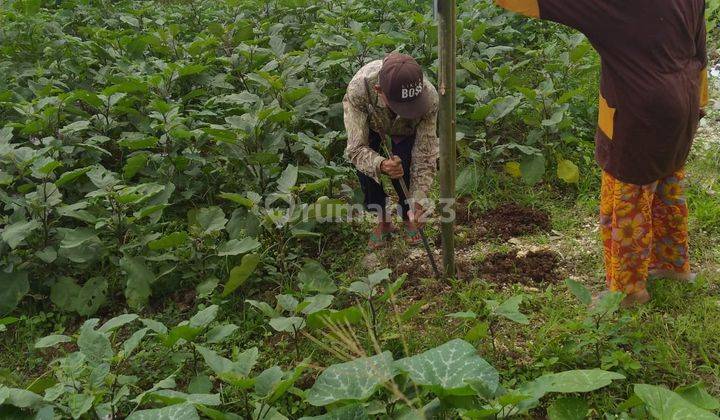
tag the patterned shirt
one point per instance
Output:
(359, 121)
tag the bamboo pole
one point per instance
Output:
(447, 13)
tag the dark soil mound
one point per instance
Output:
(532, 269)
(512, 220)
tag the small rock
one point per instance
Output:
(371, 262)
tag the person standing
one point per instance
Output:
(393, 97)
(653, 87)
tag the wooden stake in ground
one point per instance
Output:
(447, 12)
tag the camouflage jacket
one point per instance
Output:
(358, 123)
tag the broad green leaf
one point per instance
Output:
(48, 255)
(569, 382)
(510, 309)
(200, 384)
(572, 408)
(79, 404)
(235, 247)
(139, 279)
(450, 368)
(94, 344)
(246, 360)
(79, 245)
(288, 179)
(533, 169)
(580, 291)
(155, 326)
(288, 325)
(576, 381)
(697, 395)
(267, 381)
(117, 322)
(172, 240)
(15, 286)
(238, 199)
(316, 303)
(203, 318)
(133, 342)
(169, 396)
(191, 69)
(85, 300)
(463, 315)
(664, 404)
(264, 308)
(211, 219)
(555, 119)
(287, 303)
(173, 412)
(20, 398)
(206, 288)
(228, 370)
(468, 179)
(220, 365)
(350, 412)
(478, 332)
(239, 274)
(356, 380)
(75, 127)
(379, 276)
(17, 232)
(264, 412)
(314, 278)
(568, 172)
(392, 289)
(52, 341)
(607, 304)
(503, 106)
(181, 332)
(221, 333)
(138, 141)
(134, 164)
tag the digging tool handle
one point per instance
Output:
(421, 231)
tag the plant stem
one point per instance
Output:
(373, 314)
(492, 338)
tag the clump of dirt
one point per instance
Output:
(503, 222)
(415, 263)
(534, 268)
(512, 220)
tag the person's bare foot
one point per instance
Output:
(636, 299)
(673, 275)
(412, 233)
(380, 235)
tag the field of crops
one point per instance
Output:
(175, 239)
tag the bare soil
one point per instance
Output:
(532, 269)
(512, 220)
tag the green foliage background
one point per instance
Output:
(140, 138)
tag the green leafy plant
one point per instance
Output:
(601, 326)
(494, 312)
